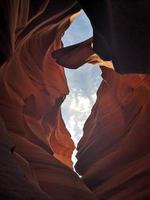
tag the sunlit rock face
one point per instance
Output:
(114, 152)
(35, 146)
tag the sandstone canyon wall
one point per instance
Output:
(114, 152)
(35, 146)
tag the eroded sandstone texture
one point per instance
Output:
(35, 146)
(114, 153)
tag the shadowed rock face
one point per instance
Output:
(121, 33)
(114, 152)
(35, 146)
(35, 160)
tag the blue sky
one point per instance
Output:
(83, 82)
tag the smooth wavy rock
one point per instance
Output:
(70, 57)
(36, 159)
(35, 146)
(114, 152)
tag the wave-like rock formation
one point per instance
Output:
(114, 152)
(35, 146)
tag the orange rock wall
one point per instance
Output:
(32, 88)
(35, 146)
(114, 152)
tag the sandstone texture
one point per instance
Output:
(35, 146)
(114, 152)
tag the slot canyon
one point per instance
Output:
(113, 155)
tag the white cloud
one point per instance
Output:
(78, 104)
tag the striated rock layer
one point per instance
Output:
(35, 146)
(114, 152)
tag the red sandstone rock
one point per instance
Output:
(16, 175)
(70, 57)
(32, 88)
(113, 156)
(35, 146)
(114, 152)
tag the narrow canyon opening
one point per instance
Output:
(83, 83)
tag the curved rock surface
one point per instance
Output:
(114, 152)
(35, 146)
(120, 33)
(36, 158)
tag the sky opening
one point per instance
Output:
(83, 82)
